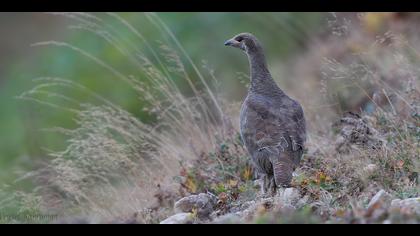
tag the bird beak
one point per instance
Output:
(232, 42)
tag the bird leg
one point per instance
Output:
(265, 184)
(268, 186)
(272, 186)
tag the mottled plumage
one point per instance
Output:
(272, 124)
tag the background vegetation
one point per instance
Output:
(202, 35)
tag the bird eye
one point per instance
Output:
(239, 39)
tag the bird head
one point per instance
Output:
(245, 41)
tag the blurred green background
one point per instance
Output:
(24, 144)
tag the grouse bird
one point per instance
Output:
(272, 124)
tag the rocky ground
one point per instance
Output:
(321, 192)
(286, 207)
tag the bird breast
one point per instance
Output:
(269, 128)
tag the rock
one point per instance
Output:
(387, 222)
(230, 218)
(378, 205)
(74, 220)
(202, 203)
(287, 199)
(238, 207)
(180, 218)
(302, 202)
(381, 199)
(289, 196)
(409, 205)
(256, 208)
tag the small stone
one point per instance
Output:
(230, 218)
(302, 202)
(202, 203)
(236, 207)
(387, 222)
(409, 205)
(289, 196)
(382, 199)
(256, 208)
(180, 218)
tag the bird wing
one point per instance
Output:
(279, 126)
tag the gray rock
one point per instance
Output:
(203, 203)
(230, 218)
(262, 204)
(302, 202)
(409, 205)
(74, 220)
(382, 199)
(237, 207)
(387, 222)
(180, 218)
(289, 196)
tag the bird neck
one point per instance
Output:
(261, 80)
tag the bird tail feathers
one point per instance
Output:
(283, 172)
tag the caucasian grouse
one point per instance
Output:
(272, 124)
